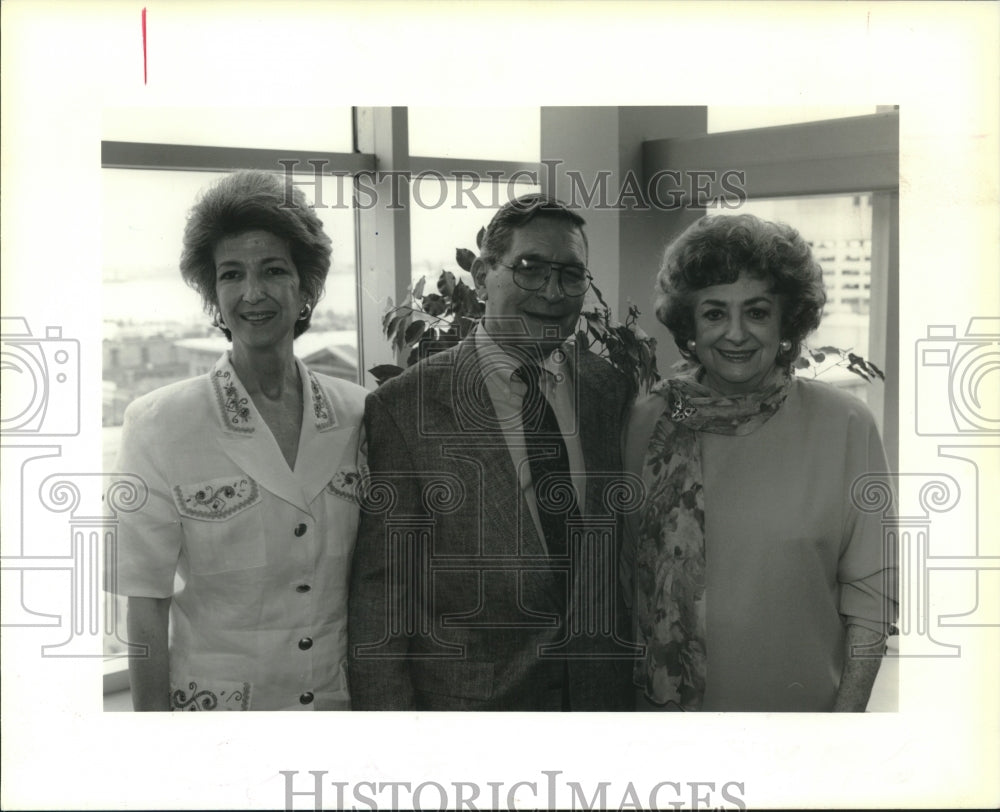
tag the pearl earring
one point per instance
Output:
(692, 345)
(785, 345)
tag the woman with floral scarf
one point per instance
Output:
(757, 583)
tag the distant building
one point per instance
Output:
(127, 357)
(331, 352)
(135, 364)
(847, 273)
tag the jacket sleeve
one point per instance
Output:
(149, 540)
(378, 670)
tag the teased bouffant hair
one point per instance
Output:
(251, 200)
(519, 212)
(716, 250)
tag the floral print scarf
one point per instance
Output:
(670, 551)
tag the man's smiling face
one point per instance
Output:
(546, 316)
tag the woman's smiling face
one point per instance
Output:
(737, 328)
(257, 285)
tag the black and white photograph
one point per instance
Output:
(373, 369)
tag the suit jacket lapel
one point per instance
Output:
(476, 427)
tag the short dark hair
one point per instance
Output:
(716, 250)
(250, 200)
(519, 212)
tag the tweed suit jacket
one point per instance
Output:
(454, 604)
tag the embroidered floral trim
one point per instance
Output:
(232, 401)
(204, 699)
(217, 499)
(322, 408)
(349, 483)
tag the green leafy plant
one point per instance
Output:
(430, 322)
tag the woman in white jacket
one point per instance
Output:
(236, 567)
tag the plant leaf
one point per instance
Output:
(384, 372)
(479, 238)
(859, 372)
(434, 305)
(463, 299)
(390, 328)
(464, 257)
(446, 283)
(401, 327)
(418, 289)
(801, 362)
(414, 331)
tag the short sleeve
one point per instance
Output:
(149, 539)
(867, 569)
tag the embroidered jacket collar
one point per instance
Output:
(248, 441)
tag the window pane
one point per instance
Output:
(443, 218)
(839, 229)
(325, 129)
(501, 133)
(723, 119)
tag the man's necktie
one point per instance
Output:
(548, 459)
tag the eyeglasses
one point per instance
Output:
(534, 274)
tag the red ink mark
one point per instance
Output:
(144, 46)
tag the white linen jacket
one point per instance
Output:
(255, 556)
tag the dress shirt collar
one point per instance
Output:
(499, 366)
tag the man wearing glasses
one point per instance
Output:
(484, 577)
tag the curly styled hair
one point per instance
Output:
(519, 212)
(251, 200)
(716, 250)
